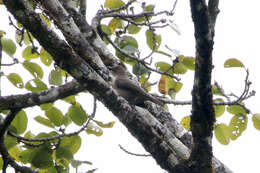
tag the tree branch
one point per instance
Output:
(32, 99)
(156, 138)
(74, 36)
(203, 116)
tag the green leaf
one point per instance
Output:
(129, 45)
(164, 67)
(176, 86)
(189, 62)
(55, 77)
(77, 115)
(27, 39)
(2, 32)
(126, 41)
(153, 40)
(29, 53)
(148, 8)
(236, 109)
(106, 29)
(10, 142)
(179, 68)
(130, 49)
(42, 158)
(143, 80)
(55, 116)
(65, 153)
(34, 69)
(46, 58)
(222, 133)
(66, 120)
(139, 69)
(16, 80)
(42, 135)
(233, 63)
(29, 134)
(1, 163)
(256, 121)
(185, 122)
(114, 24)
(105, 125)
(15, 152)
(35, 85)
(216, 91)
(8, 46)
(70, 99)
(26, 156)
(44, 121)
(237, 125)
(95, 130)
(219, 109)
(46, 106)
(71, 143)
(133, 29)
(52, 169)
(18, 36)
(172, 94)
(113, 4)
(19, 124)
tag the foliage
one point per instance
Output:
(58, 152)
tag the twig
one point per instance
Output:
(140, 61)
(13, 63)
(134, 154)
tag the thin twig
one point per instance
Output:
(134, 154)
(134, 58)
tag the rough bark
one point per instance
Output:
(203, 116)
(159, 133)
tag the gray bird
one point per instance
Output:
(128, 89)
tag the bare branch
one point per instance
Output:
(32, 99)
(134, 154)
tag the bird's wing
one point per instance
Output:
(135, 90)
(129, 85)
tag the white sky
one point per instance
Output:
(237, 36)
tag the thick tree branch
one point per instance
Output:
(32, 99)
(74, 36)
(155, 137)
(203, 117)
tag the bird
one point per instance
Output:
(129, 89)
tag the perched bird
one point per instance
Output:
(128, 89)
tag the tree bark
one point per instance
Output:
(158, 132)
